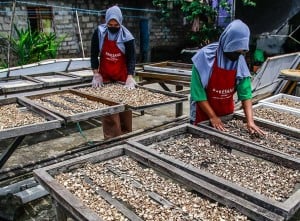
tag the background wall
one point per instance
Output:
(166, 39)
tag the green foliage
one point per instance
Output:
(29, 47)
(194, 10)
(3, 64)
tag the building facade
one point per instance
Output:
(77, 19)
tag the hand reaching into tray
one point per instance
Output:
(97, 80)
(130, 82)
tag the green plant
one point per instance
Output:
(3, 64)
(200, 14)
(29, 47)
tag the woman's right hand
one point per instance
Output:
(217, 123)
(97, 80)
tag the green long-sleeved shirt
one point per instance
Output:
(198, 92)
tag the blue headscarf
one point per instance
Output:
(122, 36)
(235, 37)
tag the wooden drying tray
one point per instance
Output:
(164, 77)
(170, 68)
(286, 208)
(290, 72)
(55, 79)
(84, 74)
(69, 205)
(52, 122)
(112, 109)
(179, 97)
(18, 83)
(262, 151)
(295, 131)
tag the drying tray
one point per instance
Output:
(86, 74)
(179, 97)
(271, 101)
(18, 83)
(286, 208)
(290, 74)
(76, 208)
(274, 155)
(55, 79)
(53, 121)
(170, 68)
(277, 108)
(112, 108)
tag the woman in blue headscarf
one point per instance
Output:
(115, 45)
(220, 69)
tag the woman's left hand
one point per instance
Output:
(253, 128)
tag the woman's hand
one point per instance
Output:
(253, 128)
(97, 80)
(217, 123)
(130, 82)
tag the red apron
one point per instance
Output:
(219, 91)
(113, 68)
(112, 62)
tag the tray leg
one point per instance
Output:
(9, 151)
(179, 106)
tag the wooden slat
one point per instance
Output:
(118, 205)
(170, 68)
(161, 76)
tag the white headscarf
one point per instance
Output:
(122, 36)
(235, 37)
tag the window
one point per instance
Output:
(40, 19)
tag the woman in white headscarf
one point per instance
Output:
(219, 70)
(115, 45)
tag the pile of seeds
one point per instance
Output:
(288, 102)
(280, 117)
(272, 139)
(68, 103)
(145, 192)
(16, 116)
(136, 97)
(261, 176)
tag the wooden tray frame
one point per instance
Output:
(181, 97)
(53, 122)
(286, 209)
(73, 79)
(278, 108)
(167, 67)
(112, 109)
(84, 78)
(36, 85)
(75, 207)
(289, 160)
(271, 101)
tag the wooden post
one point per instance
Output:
(60, 214)
(179, 106)
(79, 30)
(10, 34)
